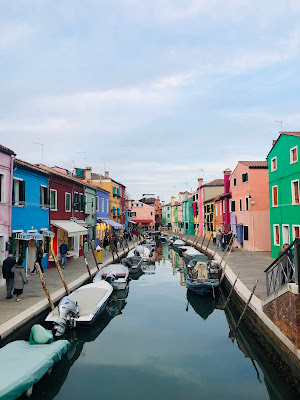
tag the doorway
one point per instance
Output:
(31, 256)
(2, 257)
(286, 234)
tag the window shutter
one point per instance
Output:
(22, 192)
(41, 196)
(82, 202)
(296, 188)
(75, 201)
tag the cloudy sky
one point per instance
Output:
(158, 92)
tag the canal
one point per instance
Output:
(157, 342)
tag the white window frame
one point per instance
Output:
(240, 205)
(274, 234)
(289, 240)
(293, 192)
(245, 240)
(221, 209)
(293, 230)
(216, 208)
(246, 207)
(66, 202)
(223, 206)
(86, 205)
(3, 188)
(272, 159)
(291, 155)
(102, 204)
(107, 205)
(231, 201)
(17, 203)
(43, 205)
(53, 209)
(273, 196)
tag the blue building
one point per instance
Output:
(102, 213)
(127, 219)
(30, 213)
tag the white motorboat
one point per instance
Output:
(178, 243)
(134, 264)
(188, 252)
(80, 307)
(116, 274)
(141, 251)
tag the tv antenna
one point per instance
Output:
(41, 144)
(279, 122)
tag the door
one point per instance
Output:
(31, 256)
(76, 245)
(286, 234)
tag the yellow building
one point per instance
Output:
(209, 218)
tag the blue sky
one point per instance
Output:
(155, 90)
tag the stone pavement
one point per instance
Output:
(33, 291)
(250, 265)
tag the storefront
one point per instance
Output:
(105, 224)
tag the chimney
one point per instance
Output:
(106, 174)
(273, 142)
(200, 182)
(88, 174)
(227, 174)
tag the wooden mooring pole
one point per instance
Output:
(94, 255)
(230, 293)
(86, 263)
(225, 265)
(208, 243)
(59, 272)
(244, 310)
(37, 266)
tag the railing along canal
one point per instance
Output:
(284, 269)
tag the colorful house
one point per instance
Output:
(158, 212)
(284, 174)
(205, 192)
(102, 214)
(142, 214)
(67, 211)
(30, 213)
(6, 179)
(250, 215)
(209, 217)
(222, 205)
(166, 213)
(91, 204)
(188, 214)
(195, 211)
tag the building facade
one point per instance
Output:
(250, 215)
(6, 179)
(142, 214)
(30, 213)
(102, 214)
(284, 174)
(188, 214)
(209, 217)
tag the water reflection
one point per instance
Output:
(202, 305)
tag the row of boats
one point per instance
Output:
(203, 273)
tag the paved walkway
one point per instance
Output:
(33, 291)
(250, 265)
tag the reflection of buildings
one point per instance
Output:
(158, 252)
(166, 252)
(182, 278)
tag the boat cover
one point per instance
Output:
(200, 270)
(22, 365)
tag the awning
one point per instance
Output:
(47, 233)
(23, 236)
(71, 227)
(114, 224)
(132, 222)
(143, 221)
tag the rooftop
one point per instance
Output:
(215, 182)
(30, 166)
(254, 164)
(6, 150)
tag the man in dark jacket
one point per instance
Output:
(8, 263)
(39, 256)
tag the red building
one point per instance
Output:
(222, 205)
(122, 203)
(67, 211)
(158, 210)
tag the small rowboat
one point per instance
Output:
(134, 264)
(116, 274)
(199, 280)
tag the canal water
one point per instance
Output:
(158, 342)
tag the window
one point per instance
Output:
(44, 196)
(286, 234)
(246, 232)
(118, 211)
(168, 215)
(2, 188)
(245, 177)
(97, 204)
(186, 225)
(276, 233)
(223, 206)
(241, 204)
(79, 201)
(18, 196)
(220, 208)
(273, 164)
(234, 181)
(68, 202)
(294, 155)
(296, 231)
(216, 210)
(151, 212)
(102, 204)
(295, 191)
(208, 208)
(93, 205)
(53, 199)
(246, 203)
(232, 205)
(275, 196)
(133, 214)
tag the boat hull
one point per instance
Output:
(203, 288)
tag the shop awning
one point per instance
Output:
(132, 222)
(71, 227)
(114, 224)
(47, 233)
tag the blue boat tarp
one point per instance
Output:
(22, 365)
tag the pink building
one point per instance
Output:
(6, 178)
(222, 205)
(250, 214)
(142, 214)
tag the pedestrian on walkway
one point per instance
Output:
(219, 237)
(8, 275)
(39, 256)
(20, 279)
(214, 237)
(63, 250)
(105, 243)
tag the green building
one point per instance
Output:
(188, 215)
(166, 213)
(91, 207)
(284, 174)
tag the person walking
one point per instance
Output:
(20, 279)
(8, 263)
(105, 243)
(214, 237)
(63, 250)
(39, 256)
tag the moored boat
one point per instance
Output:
(116, 274)
(178, 243)
(134, 264)
(81, 307)
(188, 252)
(141, 251)
(199, 281)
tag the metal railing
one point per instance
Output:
(284, 269)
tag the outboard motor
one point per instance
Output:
(126, 263)
(110, 277)
(136, 253)
(68, 310)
